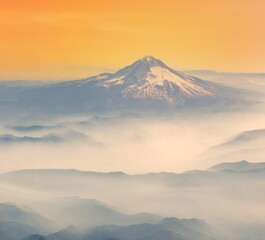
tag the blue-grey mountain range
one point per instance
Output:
(147, 84)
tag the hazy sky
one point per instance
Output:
(76, 38)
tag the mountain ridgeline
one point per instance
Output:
(81, 218)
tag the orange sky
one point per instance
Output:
(76, 38)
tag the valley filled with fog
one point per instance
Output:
(133, 144)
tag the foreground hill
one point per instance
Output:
(16, 222)
(170, 229)
(87, 213)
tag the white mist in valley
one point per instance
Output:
(129, 144)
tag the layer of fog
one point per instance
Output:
(129, 144)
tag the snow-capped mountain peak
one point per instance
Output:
(151, 78)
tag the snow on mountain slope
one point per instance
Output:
(150, 78)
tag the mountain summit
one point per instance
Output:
(150, 60)
(149, 78)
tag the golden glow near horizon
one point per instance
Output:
(76, 38)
